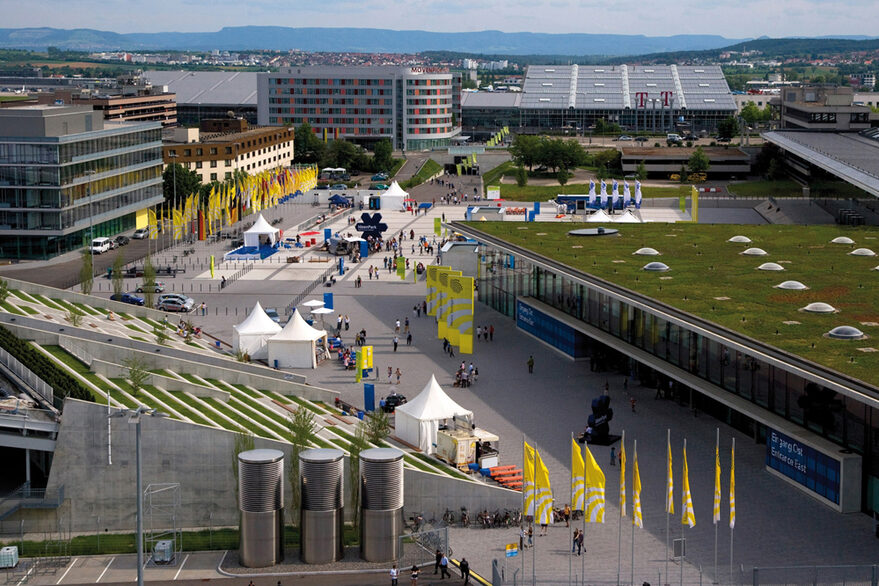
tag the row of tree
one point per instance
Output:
(311, 149)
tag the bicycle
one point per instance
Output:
(465, 517)
(449, 518)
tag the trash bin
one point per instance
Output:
(360, 415)
(276, 365)
(217, 344)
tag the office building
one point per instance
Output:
(222, 146)
(413, 107)
(67, 174)
(133, 104)
(823, 108)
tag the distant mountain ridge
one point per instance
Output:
(359, 40)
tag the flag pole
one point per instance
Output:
(524, 511)
(620, 520)
(635, 456)
(717, 518)
(667, 512)
(731, 504)
(583, 536)
(683, 510)
(534, 516)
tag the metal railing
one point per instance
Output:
(238, 274)
(841, 574)
(308, 289)
(27, 376)
(25, 497)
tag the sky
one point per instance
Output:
(728, 18)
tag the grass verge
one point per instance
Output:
(427, 170)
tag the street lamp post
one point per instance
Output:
(135, 416)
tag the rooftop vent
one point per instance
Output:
(656, 266)
(862, 252)
(791, 285)
(740, 239)
(842, 240)
(755, 252)
(770, 266)
(819, 307)
(846, 333)
(647, 252)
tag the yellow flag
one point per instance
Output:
(623, 476)
(732, 488)
(716, 484)
(153, 224)
(687, 515)
(578, 477)
(543, 492)
(670, 486)
(212, 266)
(528, 477)
(636, 493)
(594, 481)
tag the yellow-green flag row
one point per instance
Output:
(451, 299)
(498, 137)
(228, 202)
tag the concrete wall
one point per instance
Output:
(200, 458)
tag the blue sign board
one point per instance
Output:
(803, 464)
(554, 332)
(368, 397)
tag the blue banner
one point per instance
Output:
(803, 464)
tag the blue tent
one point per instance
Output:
(340, 200)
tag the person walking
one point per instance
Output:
(396, 341)
(390, 373)
(531, 365)
(347, 323)
(394, 574)
(632, 402)
(613, 456)
(491, 333)
(413, 576)
(406, 325)
(399, 373)
(444, 567)
(574, 540)
(580, 543)
(409, 339)
(530, 535)
(464, 565)
(204, 308)
(397, 326)
(439, 559)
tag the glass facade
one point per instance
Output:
(843, 420)
(57, 186)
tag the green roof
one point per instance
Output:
(711, 279)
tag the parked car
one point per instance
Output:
(393, 401)
(624, 137)
(100, 245)
(127, 298)
(122, 240)
(172, 304)
(178, 296)
(380, 177)
(273, 313)
(380, 187)
(339, 186)
(642, 139)
(724, 139)
(157, 287)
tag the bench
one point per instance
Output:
(500, 469)
(511, 480)
(514, 486)
(505, 474)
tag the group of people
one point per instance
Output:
(440, 567)
(465, 376)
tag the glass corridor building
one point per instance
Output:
(66, 174)
(820, 426)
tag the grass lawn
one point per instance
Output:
(493, 177)
(11, 308)
(398, 164)
(787, 188)
(47, 302)
(191, 378)
(179, 406)
(135, 328)
(512, 192)
(224, 409)
(76, 366)
(28, 310)
(428, 170)
(704, 267)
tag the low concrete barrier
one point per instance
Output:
(169, 383)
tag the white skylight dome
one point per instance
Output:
(819, 307)
(740, 240)
(842, 240)
(647, 252)
(755, 252)
(791, 285)
(846, 333)
(770, 266)
(656, 266)
(862, 252)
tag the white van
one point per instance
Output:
(100, 245)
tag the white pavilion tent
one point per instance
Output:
(418, 420)
(393, 198)
(251, 336)
(261, 233)
(297, 345)
(627, 217)
(599, 216)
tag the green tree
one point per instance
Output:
(149, 281)
(381, 156)
(138, 375)
(74, 316)
(525, 150)
(302, 428)
(4, 290)
(357, 445)
(348, 155)
(521, 176)
(243, 442)
(641, 173)
(727, 128)
(562, 176)
(118, 266)
(610, 159)
(187, 182)
(86, 272)
(309, 146)
(699, 161)
(161, 335)
(378, 426)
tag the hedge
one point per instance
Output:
(63, 383)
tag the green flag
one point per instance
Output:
(437, 226)
(401, 267)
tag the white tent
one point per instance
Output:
(599, 216)
(296, 346)
(418, 420)
(251, 335)
(261, 232)
(392, 199)
(627, 217)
